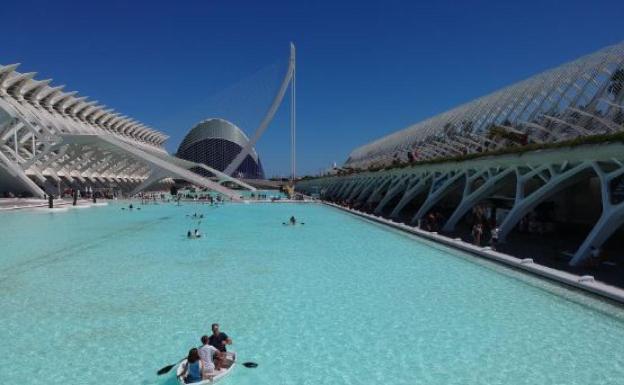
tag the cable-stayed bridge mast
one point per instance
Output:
(288, 80)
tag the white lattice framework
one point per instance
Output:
(48, 134)
(576, 99)
(579, 99)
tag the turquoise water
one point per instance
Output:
(105, 296)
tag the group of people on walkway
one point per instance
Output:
(204, 362)
(484, 229)
(432, 221)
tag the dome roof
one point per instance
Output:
(216, 128)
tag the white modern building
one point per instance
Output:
(216, 142)
(547, 150)
(580, 98)
(50, 137)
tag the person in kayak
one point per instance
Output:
(219, 339)
(293, 220)
(193, 368)
(209, 356)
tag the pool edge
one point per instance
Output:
(584, 283)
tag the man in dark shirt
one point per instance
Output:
(219, 339)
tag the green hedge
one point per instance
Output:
(580, 141)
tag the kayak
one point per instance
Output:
(230, 363)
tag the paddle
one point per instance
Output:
(167, 368)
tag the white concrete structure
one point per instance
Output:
(581, 98)
(48, 135)
(288, 80)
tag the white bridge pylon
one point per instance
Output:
(264, 124)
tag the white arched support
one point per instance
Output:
(610, 220)
(14, 170)
(418, 186)
(366, 188)
(398, 187)
(155, 176)
(155, 166)
(471, 196)
(555, 182)
(378, 192)
(288, 77)
(343, 188)
(352, 186)
(439, 188)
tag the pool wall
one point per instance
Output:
(586, 282)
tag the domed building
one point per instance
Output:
(215, 143)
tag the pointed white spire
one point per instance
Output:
(36, 88)
(15, 84)
(5, 72)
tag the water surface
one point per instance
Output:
(105, 296)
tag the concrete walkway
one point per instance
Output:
(10, 204)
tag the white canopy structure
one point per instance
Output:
(47, 134)
(579, 98)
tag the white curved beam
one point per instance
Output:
(268, 117)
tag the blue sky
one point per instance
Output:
(364, 68)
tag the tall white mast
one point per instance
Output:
(293, 117)
(268, 117)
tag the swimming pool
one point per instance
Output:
(107, 296)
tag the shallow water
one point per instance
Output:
(107, 296)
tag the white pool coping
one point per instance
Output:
(585, 282)
(59, 206)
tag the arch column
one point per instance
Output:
(399, 186)
(523, 205)
(341, 189)
(438, 190)
(372, 186)
(354, 186)
(377, 192)
(332, 188)
(154, 176)
(471, 198)
(419, 186)
(359, 188)
(610, 220)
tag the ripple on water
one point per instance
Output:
(108, 296)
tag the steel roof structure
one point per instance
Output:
(216, 143)
(47, 134)
(579, 98)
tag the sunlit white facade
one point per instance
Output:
(435, 173)
(580, 98)
(50, 137)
